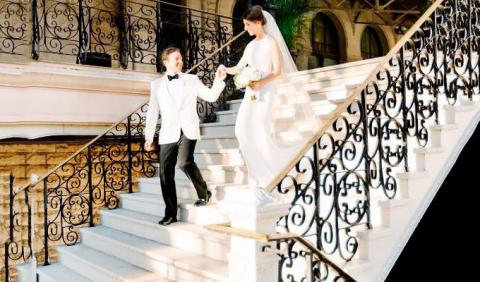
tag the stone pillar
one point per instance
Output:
(247, 261)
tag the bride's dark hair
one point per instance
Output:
(255, 14)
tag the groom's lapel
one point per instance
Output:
(184, 90)
(165, 90)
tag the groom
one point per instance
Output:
(174, 97)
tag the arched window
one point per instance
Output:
(371, 44)
(325, 42)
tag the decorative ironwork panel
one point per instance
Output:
(87, 29)
(298, 263)
(358, 156)
(14, 27)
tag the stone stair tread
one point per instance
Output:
(355, 265)
(61, 273)
(429, 150)
(460, 108)
(148, 197)
(228, 112)
(375, 233)
(204, 267)
(182, 182)
(394, 203)
(217, 124)
(212, 136)
(236, 101)
(411, 174)
(151, 220)
(217, 151)
(192, 262)
(444, 127)
(115, 267)
(218, 167)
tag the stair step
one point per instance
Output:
(234, 105)
(185, 236)
(185, 189)
(153, 256)
(218, 128)
(428, 157)
(429, 150)
(217, 142)
(412, 175)
(219, 157)
(153, 204)
(219, 173)
(59, 273)
(227, 116)
(145, 203)
(215, 173)
(102, 267)
(394, 203)
(444, 127)
(409, 181)
(374, 234)
(355, 266)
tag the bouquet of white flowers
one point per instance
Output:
(246, 76)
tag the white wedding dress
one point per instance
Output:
(261, 152)
(264, 153)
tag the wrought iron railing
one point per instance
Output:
(130, 34)
(71, 194)
(18, 244)
(14, 37)
(318, 266)
(358, 151)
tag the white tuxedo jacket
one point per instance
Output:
(178, 116)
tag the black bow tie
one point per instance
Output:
(170, 77)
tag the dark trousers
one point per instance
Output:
(181, 151)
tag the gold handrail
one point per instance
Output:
(350, 99)
(276, 237)
(32, 184)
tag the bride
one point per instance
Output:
(264, 152)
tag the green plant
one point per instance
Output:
(288, 14)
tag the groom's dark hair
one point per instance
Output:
(255, 13)
(169, 51)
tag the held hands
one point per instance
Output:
(148, 145)
(221, 73)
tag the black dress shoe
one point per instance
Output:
(167, 220)
(203, 202)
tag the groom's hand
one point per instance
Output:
(221, 73)
(148, 145)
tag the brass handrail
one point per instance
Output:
(350, 99)
(277, 237)
(31, 184)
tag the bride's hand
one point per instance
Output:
(231, 71)
(221, 74)
(256, 85)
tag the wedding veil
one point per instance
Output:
(291, 116)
